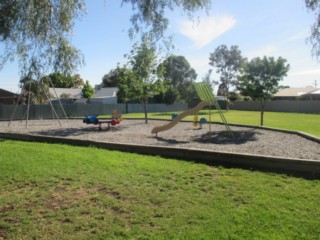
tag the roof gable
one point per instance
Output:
(295, 92)
(7, 93)
(106, 92)
(74, 93)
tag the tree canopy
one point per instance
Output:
(38, 33)
(111, 78)
(88, 90)
(149, 19)
(60, 80)
(139, 78)
(260, 78)
(178, 75)
(227, 63)
(314, 38)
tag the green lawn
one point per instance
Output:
(308, 123)
(65, 192)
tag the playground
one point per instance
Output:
(247, 140)
(199, 134)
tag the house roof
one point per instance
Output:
(106, 92)
(295, 92)
(316, 92)
(7, 93)
(76, 93)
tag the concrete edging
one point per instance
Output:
(304, 167)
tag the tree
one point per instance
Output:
(60, 80)
(227, 63)
(142, 84)
(209, 81)
(149, 18)
(111, 79)
(222, 90)
(37, 34)
(178, 73)
(125, 79)
(37, 91)
(260, 79)
(314, 39)
(87, 91)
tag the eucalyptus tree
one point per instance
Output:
(38, 33)
(260, 77)
(179, 74)
(61, 80)
(149, 16)
(111, 79)
(314, 38)
(227, 63)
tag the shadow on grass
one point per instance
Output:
(223, 137)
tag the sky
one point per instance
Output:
(260, 28)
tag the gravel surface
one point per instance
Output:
(183, 135)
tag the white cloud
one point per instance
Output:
(307, 72)
(268, 50)
(207, 29)
(298, 36)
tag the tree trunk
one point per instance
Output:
(127, 111)
(262, 112)
(145, 110)
(227, 103)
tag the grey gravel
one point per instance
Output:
(183, 135)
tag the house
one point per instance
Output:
(314, 95)
(306, 93)
(71, 94)
(105, 95)
(7, 97)
(74, 95)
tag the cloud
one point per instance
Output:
(307, 72)
(298, 36)
(268, 50)
(207, 29)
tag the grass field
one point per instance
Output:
(308, 123)
(65, 192)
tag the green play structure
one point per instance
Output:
(205, 94)
(207, 99)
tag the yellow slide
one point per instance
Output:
(180, 117)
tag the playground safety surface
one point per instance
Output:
(248, 140)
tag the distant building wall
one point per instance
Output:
(279, 106)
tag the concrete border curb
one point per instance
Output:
(301, 167)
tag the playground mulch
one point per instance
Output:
(248, 140)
